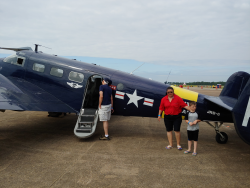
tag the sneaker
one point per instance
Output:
(104, 138)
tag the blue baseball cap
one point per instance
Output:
(108, 81)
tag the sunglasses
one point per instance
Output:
(170, 92)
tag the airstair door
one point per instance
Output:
(88, 116)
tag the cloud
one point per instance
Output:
(142, 30)
(180, 71)
(204, 63)
(166, 33)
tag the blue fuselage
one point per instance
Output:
(149, 91)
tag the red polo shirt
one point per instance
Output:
(174, 107)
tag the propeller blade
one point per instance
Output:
(17, 49)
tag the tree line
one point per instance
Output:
(198, 83)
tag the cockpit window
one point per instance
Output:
(15, 60)
(11, 59)
(75, 76)
(56, 72)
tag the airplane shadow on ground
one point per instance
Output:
(20, 132)
(31, 130)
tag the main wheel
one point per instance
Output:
(54, 114)
(221, 140)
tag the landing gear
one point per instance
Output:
(220, 137)
(56, 114)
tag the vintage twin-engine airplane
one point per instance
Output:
(34, 81)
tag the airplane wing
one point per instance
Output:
(223, 101)
(19, 94)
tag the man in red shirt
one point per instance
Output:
(172, 106)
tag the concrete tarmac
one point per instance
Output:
(40, 151)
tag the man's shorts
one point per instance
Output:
(193, 135)
(172, 122)
(105, 112)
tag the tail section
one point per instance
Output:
(235, 85)
(232, 91)
(238, 87)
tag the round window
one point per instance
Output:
(120, 86)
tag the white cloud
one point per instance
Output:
(142, 30)
(161, 32)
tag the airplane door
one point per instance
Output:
(91, 95)
(88, 116)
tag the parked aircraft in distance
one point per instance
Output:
(35, 81)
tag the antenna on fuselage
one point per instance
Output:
(36, 47)
(137, 68)
(167, 77)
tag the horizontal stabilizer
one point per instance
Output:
(17, 49)
(223, 101)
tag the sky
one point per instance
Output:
(195, 40)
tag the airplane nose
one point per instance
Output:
(1, 61)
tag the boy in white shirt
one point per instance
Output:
(192, 120)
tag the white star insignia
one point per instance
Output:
(134, 98)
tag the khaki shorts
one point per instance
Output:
(105, 112)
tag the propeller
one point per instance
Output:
(36, 47)
(16, 49)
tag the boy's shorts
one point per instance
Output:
(193, 135)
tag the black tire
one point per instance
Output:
(54, 114)
(221, 140)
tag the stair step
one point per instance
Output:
(83, 115)
(83, 131)
(88, 112)
(84, 128)
(87, 119)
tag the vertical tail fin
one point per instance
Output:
(241, 110)
(235, 85)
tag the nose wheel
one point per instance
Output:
(220, 137)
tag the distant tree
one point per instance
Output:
(199, 83)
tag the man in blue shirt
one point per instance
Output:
(105, 105)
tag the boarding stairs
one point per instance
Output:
(86, 123)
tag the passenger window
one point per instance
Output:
(38, 67)
(56, 72)
(75, 76)
(14, 59)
